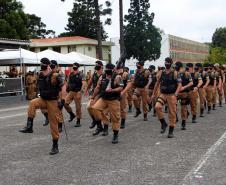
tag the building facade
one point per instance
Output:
(13, 43)
(186, 51)
(179, 49)
(79, 44)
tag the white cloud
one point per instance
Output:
(192, 19)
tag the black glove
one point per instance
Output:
(61, 104)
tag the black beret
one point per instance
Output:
(53, 62)
(179, 64)
(45, 61)
(110, 66)
(76, 64)
(169, 60)
(99, 63)
(198, 65)
(152, 67)
(189, 65)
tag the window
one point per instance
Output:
(71, 48)
(57, 49)
(43, 49)
(89, 48)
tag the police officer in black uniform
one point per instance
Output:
(74, 87)
(50, 84)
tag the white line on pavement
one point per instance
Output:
(14, 108)
(15, 115)
(203, 160)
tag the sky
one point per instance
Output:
(192, 19)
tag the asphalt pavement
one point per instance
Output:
(142, 157)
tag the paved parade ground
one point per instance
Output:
(142, 157)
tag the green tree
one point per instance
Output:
(37, 29)
(142, 38)
(219, 38)
(82, 19)
(13, 20)
(217, 55)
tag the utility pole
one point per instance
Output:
(98, 26)
(121, 41)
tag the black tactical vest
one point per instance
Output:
(140, 81)
(211, 77)
(203, 75)
(75, 82)
(153, 80)
(95, 79)
(185, 81)
(103, 86)
(195, 78)
(48, 91)
(168, 84)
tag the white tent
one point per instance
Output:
(52, 55)
(83, 59)
(20, 56)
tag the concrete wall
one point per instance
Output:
(64, 49)
(89, 50)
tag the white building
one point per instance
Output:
(179, 49)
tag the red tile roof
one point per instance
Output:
(59, 39)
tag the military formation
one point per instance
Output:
(179, 89)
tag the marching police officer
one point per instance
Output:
(130, 91)
(50, 84)
(110, 86)
(170, 85)
(91, 86)
(193, 94)
(140, 82)
(186, 81)
(151, 86)
(211, 89)
(220, 80)
(74, 87)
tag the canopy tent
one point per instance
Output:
(83, 59)
(52, 55)
(21, 56)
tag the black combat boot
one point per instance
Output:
(138, 112)
(60, 127)
(29, 127)
(214, 107)
(130, 108)
(78, 124)
(163, 126)
(99, 128)
(145, 117)
(209, 109)
(154, 113)
(201, 112)
(122, 123)
(166, 109)
(220, 104)
(93, 124)
(72, 116)
(54, 149)
(183, 125)
(170, 134)
(115, 137)
(105, 130)
(46, 120)
(194, 119)
(150, 107)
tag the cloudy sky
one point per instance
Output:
(192, 19)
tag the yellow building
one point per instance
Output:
(79, 44)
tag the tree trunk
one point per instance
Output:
(98, 27)
(121, 41)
